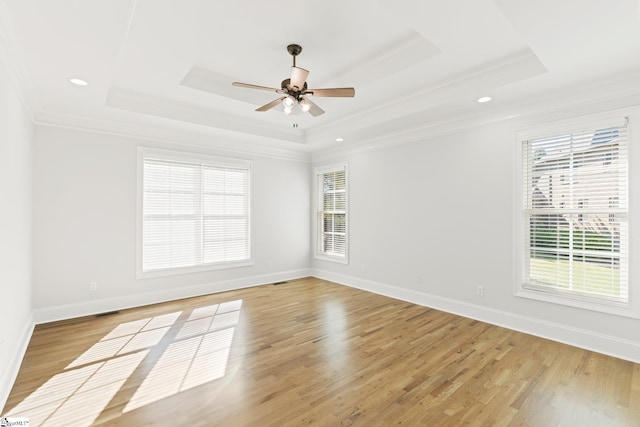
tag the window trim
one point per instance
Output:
(189, 157)
(632, 307)
(318, 254)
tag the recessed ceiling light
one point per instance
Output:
(339, 139)
(78, 82)
(484, 99)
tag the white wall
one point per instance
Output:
(85, 219)
(16, 166)
(443, 208)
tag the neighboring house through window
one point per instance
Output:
(576, 246)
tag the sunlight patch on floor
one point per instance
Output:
(81, 392)
(196, 352)
(76, 397)
(128, 337)
(199, 355)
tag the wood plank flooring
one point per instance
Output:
(311, 352)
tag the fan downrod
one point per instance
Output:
(294, 50)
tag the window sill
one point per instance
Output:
(165, 272)
(618, 309)
(332, 258)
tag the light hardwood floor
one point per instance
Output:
(311, 352)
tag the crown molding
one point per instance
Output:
(137, 102)
(503, 71)
(616, 92)
(158, 130)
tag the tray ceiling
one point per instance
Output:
(169, 64)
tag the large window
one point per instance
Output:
(193, 212)
(574, 216)
(332, 192)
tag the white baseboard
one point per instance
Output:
(10, 372)
(588, 340)
(88, 308)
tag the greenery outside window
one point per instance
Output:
(575, 239)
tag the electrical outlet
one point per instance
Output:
(419, 279)
(363, 268)
(93, 286)
(480, 291)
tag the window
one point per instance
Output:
(332, 201)
(576, 252)
(193, 212)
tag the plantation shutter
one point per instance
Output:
(194, 213)
(576, 213)
(333, 213)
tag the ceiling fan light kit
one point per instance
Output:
(288, 101)
(296, 92)
(304, 105)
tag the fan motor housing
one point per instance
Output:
(286, 85)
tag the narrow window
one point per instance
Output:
(332, 200)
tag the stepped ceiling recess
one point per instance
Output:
(164, 68)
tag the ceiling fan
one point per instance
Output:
(295, 90)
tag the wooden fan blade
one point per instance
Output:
(298, 77)
(249, 86)
(314, 110)
(270, 105)
(343, 92)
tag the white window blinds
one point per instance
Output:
(576, 213)
(195, 212)
(332, 212)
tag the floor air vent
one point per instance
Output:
(108, 313)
